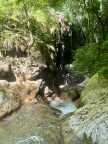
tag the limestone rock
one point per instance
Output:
(6, 72)
(26, 90)
(8, 103)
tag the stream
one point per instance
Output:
(35, 124)
(63, 107)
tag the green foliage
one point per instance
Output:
(92, 15)
(91, 58)
(31, 26)
(85, 60)
(27, 26)
(24, 24)
(103, 72)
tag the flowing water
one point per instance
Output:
(64, 107)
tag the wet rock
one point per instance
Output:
(71, 92)
(63, 106)
(56, 102)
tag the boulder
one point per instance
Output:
(26, 90)
(89, 124)
(14, 94)
(8, 103)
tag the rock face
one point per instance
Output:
(21, 68)
(8, 103)
(6, 72)
(15, 94)
(89, 124)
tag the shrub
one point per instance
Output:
(91, 58)
(85, 60)
(103, 72)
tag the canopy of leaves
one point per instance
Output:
(28, 20)
(28, 25)
(92, 15)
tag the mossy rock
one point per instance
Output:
(96, 91)
(90, 123)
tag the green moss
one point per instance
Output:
(96, 91)
(89, 122)
(103, 73)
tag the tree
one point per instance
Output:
(93, 18)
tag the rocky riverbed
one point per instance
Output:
(33, 112)
(30, 111)
(33, 122)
